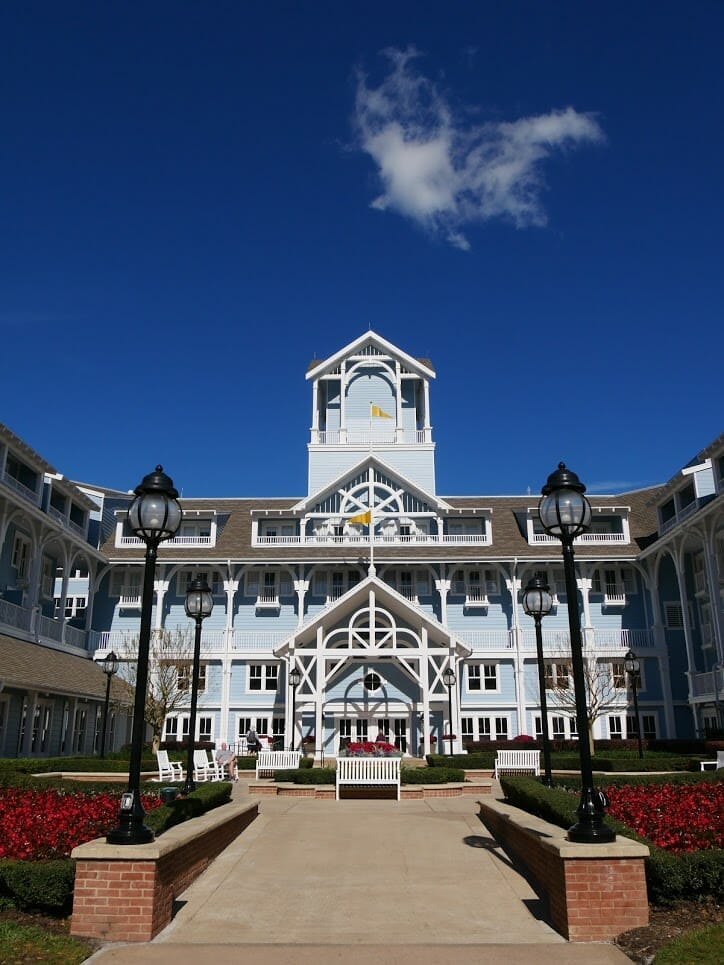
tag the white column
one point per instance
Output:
(513, 586)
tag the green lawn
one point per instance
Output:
(24, 943)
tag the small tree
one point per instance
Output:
(170, 659)
(603, 689)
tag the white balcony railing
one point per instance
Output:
(418, 539)
(600, 538)
(57, 514)
(176, 541)
(365, 437)
(14, 616)
(486, 639)
(29, 494)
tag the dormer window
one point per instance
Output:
(268, 587)
(126, 585)
(193, 531)
(468, 530)
(614, 584)
(607, 526)
(476, 585)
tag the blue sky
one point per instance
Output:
(197, 199)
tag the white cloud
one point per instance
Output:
(445, 174)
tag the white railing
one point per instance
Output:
(12, 615)
(486, 639)
(614, 599)
(57, 514)
(554, 641)
(129, 598)
(623, 640)
(708, 685)
(257, 639)
(601, 538)
(477, 539)
(268, 599)
(366, 437)
(52, 629)
(75, 636)
(176, 541)
(80, 530)
(20, 488)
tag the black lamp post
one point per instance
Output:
(295, 678)
(537, 603)
(566, 513)
(110, 669)
(198, 605)
(449, 678)
(154, 516)
(633, 666)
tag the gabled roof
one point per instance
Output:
(353, 599)
(421, 367)
(365, 462)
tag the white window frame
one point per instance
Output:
(480, 675)
(21, 558)
(555, 669)
(615, 726)
(266, 674)
(615, 583)
(213, 578)
(184, 676)
(476, 584)
(127, 585)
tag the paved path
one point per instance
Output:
(360, 881)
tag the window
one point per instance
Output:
(501, 728)
(334, 584)
(197, 532)
(263, 676)
(557, 676)
(185, 676)
(75, 607)
(79, 730)
(482, 676)
(475, 585)
(649, 725)
(558, 727)
(267, 586)
(278, 729)
(484, 730)
(126, 585)
(21, 557)
(47, 579)
(614, 584)
(372, 681)
(205, 728)
(214, 579)
(466, 726)
(618, 675)
(673, 615)
(615, 728)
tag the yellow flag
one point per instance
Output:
(361, 518)
(376, 410)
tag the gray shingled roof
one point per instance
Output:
(509, 540)
(31, 666)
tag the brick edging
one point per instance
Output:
(126, 892)
(593, 892)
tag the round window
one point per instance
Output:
(372, 681)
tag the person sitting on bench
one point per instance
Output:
(252, 741)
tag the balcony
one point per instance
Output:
(598, 538)
(30, 494)
(416, 539)
(177, 541)
(27, 624)
(366, 437)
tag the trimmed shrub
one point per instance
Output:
(38, 885)
(206, 797)
(432, 775)
(305, 775)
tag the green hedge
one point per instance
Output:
(669, 877)
(561, 761)
(478, 761)
(206, 797)
(432, 775)
(45, 886)
(306, 775)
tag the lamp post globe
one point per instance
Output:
(198, 605)
(154, 516)
(632, 665)
(449, 678)
(537, 603)
(565, 514)
(109, 664)
(295, 678)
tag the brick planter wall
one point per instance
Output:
(594, 892)
(126, 892)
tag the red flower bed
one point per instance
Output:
(40, 824)
(676, 817)
(370, 747)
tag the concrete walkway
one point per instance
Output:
(360, 881)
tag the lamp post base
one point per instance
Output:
(585, 832)
(131, 829)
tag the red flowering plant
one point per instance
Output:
(676, 817)
(370, 749)
(36, 825)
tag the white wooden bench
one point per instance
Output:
(715, 765)
(517, 762)
(368, 772)
(269, 761)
